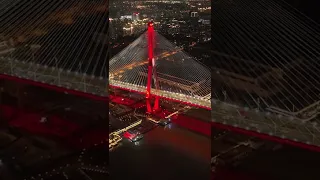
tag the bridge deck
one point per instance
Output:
(56, 77)
(266, 123)
(194, 101)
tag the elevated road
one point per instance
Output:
(54, 78)
(194, 101)
(265, 124)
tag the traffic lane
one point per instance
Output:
(163, 154)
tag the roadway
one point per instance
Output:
(202, 102)
(298, 133)
(55, 77)
(51, 76)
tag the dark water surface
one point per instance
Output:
(170, 153)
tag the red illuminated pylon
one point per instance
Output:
(150, 68)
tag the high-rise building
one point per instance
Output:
(135, 16)
(126, 17)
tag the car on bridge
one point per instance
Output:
(164, 122)
(133, 135)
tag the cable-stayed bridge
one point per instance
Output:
(152, 60)
(266, 71)
(60, 45)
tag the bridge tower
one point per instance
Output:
(151, 71)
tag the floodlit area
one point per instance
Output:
(129, 119)
(178, 76)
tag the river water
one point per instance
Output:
(163, 153)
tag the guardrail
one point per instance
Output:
(116, 138)
(127, 128)
(277, 125)
(54, 76)
(199, 101)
